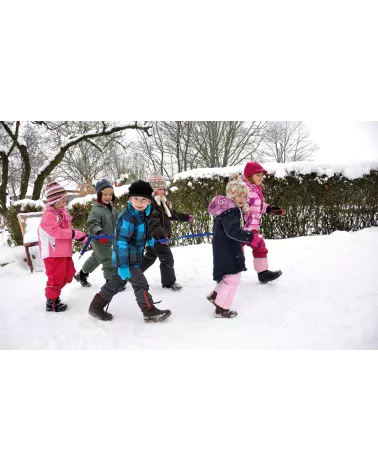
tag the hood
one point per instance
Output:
(220, 204)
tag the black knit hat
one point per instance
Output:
(141, 189)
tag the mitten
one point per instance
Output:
(78, 235)
(275, 210)
(150, 242)
(124, 272)
(190, 219)
(258, 242)
(165, 241)
(102, 240)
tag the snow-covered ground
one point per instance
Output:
(327, 298)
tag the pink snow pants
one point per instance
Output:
(226, 290)
(59, 271)
(260, 261)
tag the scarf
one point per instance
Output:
(162, 201)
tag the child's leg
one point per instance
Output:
(70, 270)
(260, 261)
(103, 256)
(56, 275)
(167, 271)
(141, 288)
(91, 263)
(112, 286)
(226, 290)
(149, 258)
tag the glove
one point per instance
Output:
(124, 272)
(150, 242)
(102, 240)
(78, 235)
(258, 241)
(166, 241)
(190, 219)
(275, 210)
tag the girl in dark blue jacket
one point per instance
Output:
(228, 237)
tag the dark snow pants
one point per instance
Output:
(164, 253)
(138, 282)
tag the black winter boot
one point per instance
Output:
(55, 305)
(174, 287)
(224, 313)
(96, 309)
(82, 278)
(268, 276)
(153, 314)
(211, 297)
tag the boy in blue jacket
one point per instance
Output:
(131, 237)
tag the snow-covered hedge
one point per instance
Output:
(317, 198)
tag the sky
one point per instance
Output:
(340, 141)
(345, 141)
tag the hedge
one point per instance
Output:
(313, 205)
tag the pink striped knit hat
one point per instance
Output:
(157, 181)
(54, 193)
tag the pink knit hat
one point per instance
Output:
(253, 168)
(54, 193)
(157, 181)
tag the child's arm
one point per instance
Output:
(123, 232)
(94, 224)
(52, 227)
(178, 216)
(154, 226)
(231, 226)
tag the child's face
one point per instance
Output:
(257, 178)
(159, 191)
(139, 203)
(107, 195)
(240, 199)
(61, 204)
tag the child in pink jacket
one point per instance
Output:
(253, 177)
(55, 235)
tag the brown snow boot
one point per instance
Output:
(97, 306)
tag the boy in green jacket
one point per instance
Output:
(101, 220)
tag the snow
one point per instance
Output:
(118, 191)
(27, 201)
(327, 298)
(349, 170)
(31, 229)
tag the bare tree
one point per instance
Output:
(287, 141)
(60, 138)
(89, 159)
(154, 152)
(178, 144)
(225, 143)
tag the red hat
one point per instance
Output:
(253, 168)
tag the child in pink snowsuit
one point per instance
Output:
(228, 237)
(55, 235)
(253, 177)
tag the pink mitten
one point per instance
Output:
(79, 235)
(258, 241)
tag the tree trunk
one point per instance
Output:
(26, 170)
(4, 183)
